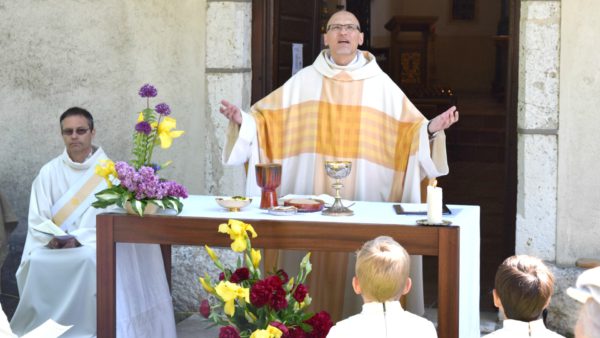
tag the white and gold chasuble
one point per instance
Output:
(328, 112)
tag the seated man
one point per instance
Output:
(523, 288)
(382, 267)
(57, 279)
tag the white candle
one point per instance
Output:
(434, 204)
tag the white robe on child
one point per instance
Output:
(517, 329)
(61, 283)
(383, 320)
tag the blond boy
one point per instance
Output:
(522, 290)
(381, 278)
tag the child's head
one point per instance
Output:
(523, 287)
(382, 270)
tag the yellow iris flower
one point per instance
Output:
(206, 286)
(238, 232)
(140, 117)
(270, 332)
(211, 253)
(165, 134)
(229, 292)
(255, 257)
(105, 169)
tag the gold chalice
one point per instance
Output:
(338, 170)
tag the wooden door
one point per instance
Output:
(276, 25)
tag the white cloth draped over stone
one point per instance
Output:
(518, 329)
(61, 283)
(381, 320)
(355, 113)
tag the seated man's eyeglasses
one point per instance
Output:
(339, 27)
(79, 131)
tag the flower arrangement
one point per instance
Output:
(137, 183)
(249, 306)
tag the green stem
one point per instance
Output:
(153, 140)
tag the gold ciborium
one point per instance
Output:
(338, 170)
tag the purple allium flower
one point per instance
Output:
(143, 127)
(163, 109)
(148, 90)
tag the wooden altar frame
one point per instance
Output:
(442, 242)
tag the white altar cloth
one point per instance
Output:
(467, 217)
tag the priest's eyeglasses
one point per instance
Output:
(79, 131)
(336, 27)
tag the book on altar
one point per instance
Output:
(50, 329)
(49, 228)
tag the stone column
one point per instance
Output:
(228, 76)
(538, 128)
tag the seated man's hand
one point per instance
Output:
(231, 111)
(63, 242)
(443, 121)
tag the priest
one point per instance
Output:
(342, 107)
(57, 275)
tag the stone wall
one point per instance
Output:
(578, 227)
(97, 54)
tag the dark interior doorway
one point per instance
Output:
(481, 147)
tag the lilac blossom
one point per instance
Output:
(143, 127)
(145, 184)
(148, 90)
(163, 109)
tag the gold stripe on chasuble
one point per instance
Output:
(338, 126)
(87, 188)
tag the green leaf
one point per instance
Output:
(138, 206)
(160, 203)
(107, 194)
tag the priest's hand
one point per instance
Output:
(231, 111)
(443, 121)
(63, 242)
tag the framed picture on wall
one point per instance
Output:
(462, 10)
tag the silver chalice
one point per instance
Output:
(338, 170)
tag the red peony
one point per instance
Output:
(240, 275)
(260, 293)
(278, 301)
(295, 332)
(300, 293)
(228, 332)
(280, 326)
(283, 275)
(222, 276)
(274, 282)
(321, 323)
(205, 308)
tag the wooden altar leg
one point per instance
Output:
(165, 249)
(448, 282)
(106, 277)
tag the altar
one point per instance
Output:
(456, 246)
